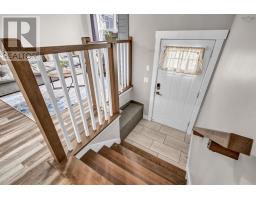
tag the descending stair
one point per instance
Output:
(125, 164)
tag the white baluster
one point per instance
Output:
(121, 65)
(102, 85)
(65, 90)
(118, 66)
(105, 52)
(77, 90)
(95, 84)
(87, 90)
(127, 64)
(54, 101)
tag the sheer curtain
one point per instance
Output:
(188, 60)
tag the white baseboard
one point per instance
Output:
(97, 146)
(145, 117)
(109, 136)
(188, 177)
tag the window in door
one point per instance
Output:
(187, 60)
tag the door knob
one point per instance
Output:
(158, 93)
(158, 86)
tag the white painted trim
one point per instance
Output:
(217, 35)
(208, 74)
(145, 117)
(97, 146)
(123, 93)
(109, 136)
(193, 35)
(125, 97)
(188, 177)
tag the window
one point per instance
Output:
(102, 23)
(188, 60)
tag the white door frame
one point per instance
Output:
(218, 35)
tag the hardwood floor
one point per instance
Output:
(23, 152)
(25, 158)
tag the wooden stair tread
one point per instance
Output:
(154, 159)
(110, 170)
(168, 174)
(134, 168)
(80, 173)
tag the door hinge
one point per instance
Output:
(197, 94)
(188, 124)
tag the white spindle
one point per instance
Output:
(54, 101)
(123, 65)
(87, 90)
(108, 81)
(95, 84)
(102, 85)
(78, 95)
(119, 67)
(64, 87)
(127, 64)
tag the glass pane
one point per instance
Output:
(188, 60)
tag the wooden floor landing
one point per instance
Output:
(24, 157)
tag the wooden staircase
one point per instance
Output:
(121, 164)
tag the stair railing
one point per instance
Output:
(96, 109)
(123, 53)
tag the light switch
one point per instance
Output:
(145, 79)
(148, 68)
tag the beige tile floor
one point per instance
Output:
(164, 142)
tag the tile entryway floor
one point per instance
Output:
(164, 142)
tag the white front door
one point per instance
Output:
(176, 93)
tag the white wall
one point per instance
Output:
(109, 136)
(125, 97)
(207, 167)
(60, 29)
(230, 104)
(143, 27)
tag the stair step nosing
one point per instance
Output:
(106, 152)
(175, 178)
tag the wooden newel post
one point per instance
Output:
(27, 83)
(113, 73)
(86, 40)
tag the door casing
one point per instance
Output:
(218, 35)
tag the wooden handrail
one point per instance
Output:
(60, 49)
(27, 83)
(104, 41)
(231, 141)
(87, 40)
